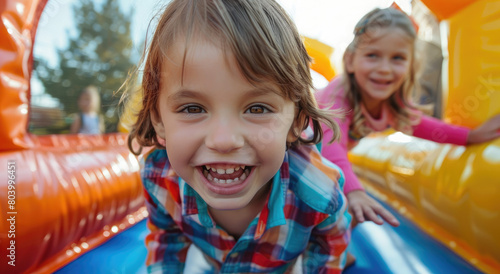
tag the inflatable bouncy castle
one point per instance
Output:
(73, 203)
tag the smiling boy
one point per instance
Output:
(227, 94)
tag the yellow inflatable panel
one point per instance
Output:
(451, 192)
(474, 64)
(322, 55)
(129, 116)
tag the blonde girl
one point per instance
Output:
(88, 120)
(375, 92)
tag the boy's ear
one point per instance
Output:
(158, 125)
(348, 61)
(297, 127)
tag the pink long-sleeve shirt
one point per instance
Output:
(428, 128)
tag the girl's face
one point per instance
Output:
(86, 102)
(380, 64)
(224, 136)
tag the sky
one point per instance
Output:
(329, 21)
(332, 21)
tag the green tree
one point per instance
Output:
(99, 54)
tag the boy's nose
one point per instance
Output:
(224, 136)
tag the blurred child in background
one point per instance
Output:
(88, 120)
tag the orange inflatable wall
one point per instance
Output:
(60, 195)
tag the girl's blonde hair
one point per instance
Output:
(264, 42)
(400, 103)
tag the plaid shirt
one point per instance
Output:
(305, 214)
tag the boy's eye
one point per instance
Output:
(399, 57)
(192, 109)
(258, 109)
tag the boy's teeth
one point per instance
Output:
(243, 177)
(221, 181)
(224, 171)
(209, 176)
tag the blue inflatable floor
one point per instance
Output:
(378, 249)
(124, 253)
(404, 249)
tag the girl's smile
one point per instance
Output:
(380, 65)
(380, 83)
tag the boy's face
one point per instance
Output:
(225, 137)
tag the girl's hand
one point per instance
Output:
(488, 131)
(362, 207)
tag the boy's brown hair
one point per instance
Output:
(264, 42)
